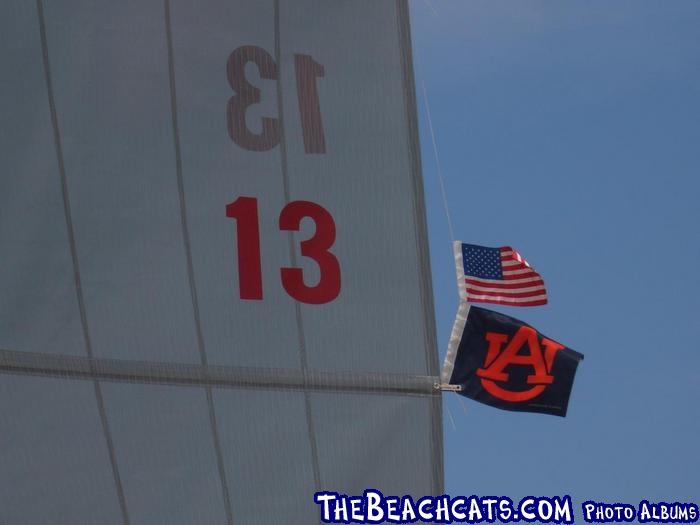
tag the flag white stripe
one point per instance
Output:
(477, 288)
(507, 299)
(518, 272)
(510, 263)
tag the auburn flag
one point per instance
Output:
(500, 361)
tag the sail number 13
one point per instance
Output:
(244, 211)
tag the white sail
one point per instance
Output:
(172, 349)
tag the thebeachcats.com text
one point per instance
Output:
(374, 507)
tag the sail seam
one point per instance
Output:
(292, 254)
(190, 266)
(99, 398)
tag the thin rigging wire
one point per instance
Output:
(441, 177)
(431, 7)
(464, 405)
(441, 180)
(452, 419)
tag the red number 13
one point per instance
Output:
(245, 211)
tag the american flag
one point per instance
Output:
(498, 276)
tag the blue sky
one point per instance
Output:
(571, 131)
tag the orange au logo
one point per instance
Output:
(497, 360)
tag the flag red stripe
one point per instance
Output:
(504, 284)
(506, 293)
(529, 273)
(523, 288)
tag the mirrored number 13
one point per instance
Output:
(307, 71)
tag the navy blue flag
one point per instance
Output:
(503, 362)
